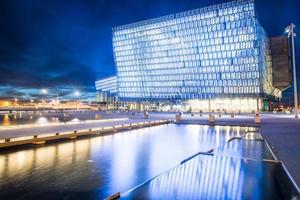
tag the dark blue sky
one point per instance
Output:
(64, 45)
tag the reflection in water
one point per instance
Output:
(20, 119)
(213, 177)
(42, 120)
(75, 120)
(97, 167)
(6, 120)
(241, 148)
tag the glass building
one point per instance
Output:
(106, 89)
(215, 56)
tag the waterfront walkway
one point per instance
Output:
(27, 130)
(281, 131)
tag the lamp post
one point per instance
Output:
(16, 101)
(292, 34)
(45, 92)
(77, 94)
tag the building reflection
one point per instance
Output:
(6, 120)
(212, 177)
(101, 166)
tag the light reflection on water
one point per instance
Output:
(19, 119)
(98, 167)
(213, 177)
(42, 120)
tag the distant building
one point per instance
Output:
(106, 90)
(280, 50)
(216, 57)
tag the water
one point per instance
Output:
(19, 119)
(45, 117)
(219, 177)
(97, 167)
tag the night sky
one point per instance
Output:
(65, 45)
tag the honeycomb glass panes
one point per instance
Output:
(213, 50)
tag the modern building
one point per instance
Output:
(106, 90)
(216, 57)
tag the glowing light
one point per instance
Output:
(44, 91)
(6, 120)
(77, 93)
(75, 120)
(242, 104)
(42, 120)
(287, 30)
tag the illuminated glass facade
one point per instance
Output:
(220, 51)
(106, 89)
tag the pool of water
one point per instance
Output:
(95, 168)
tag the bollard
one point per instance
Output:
(257, 118)
(178, 118)
(192, 114)
(201, 113)
(211, 118)
(220, 115)
(146, 115)
(73, 136)
(232, 114)
(98, 116)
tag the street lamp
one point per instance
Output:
(77, 93)
(44, 91)
(292, 34)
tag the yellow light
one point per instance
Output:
(6, 120)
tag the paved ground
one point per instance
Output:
(283, 135)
